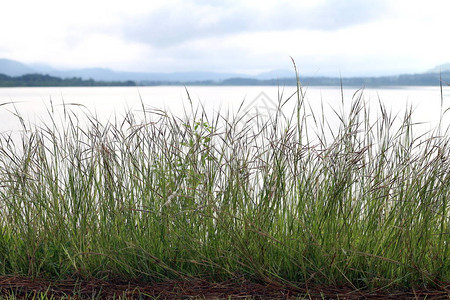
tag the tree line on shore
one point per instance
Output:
(39, 80)
(424, 79)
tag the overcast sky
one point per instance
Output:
(325, 37)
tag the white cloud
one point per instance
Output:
(325, 36)
(181, 21)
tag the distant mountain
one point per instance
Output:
(275, 74)
(42, 68)
(110, 75)
(276, 77)
(440, 68)
(14, 68)
(423, 79)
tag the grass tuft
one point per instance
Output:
(286, 199)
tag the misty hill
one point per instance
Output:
(95, 76)
(274, 75)
(440, 68)
(107, 74)
(425, 79)
(14, 68)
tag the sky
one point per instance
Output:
(324, 37)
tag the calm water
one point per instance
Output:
(33, 104)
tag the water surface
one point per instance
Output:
(34, 104)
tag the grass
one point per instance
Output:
(284, 199)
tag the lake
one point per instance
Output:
(33, 104)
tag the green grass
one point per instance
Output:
(284, 199)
